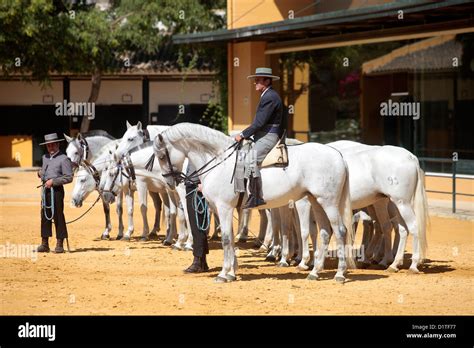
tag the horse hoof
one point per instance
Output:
(302, 267)
(143, 239)
(312, 277)
(153, 236)
(220, 280)
(270, 258)
(364, 265)
(166, 243)
(176, 247)
(283, 264)
(392, 269)
(413, 271)
(126, 238)
(340, 279)
(230, 278)
(118, 237)
(105, 237)
(263, 248)
(188, 248)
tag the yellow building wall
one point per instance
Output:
(17, 151)
(243, 99)
(300, 117)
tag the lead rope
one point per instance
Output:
(200, 206)
(43, 203)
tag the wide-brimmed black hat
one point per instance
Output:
(51, 138)
(264, 72)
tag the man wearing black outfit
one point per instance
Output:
(55, 172)
(200, 245)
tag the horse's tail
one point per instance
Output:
(420, 205)
(345, 209)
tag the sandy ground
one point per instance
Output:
(116, 277)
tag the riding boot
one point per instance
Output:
(59, 246)
(204, 265)
(196, 266)
(255, 199)
(44, 247)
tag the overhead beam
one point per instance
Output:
(368, 37)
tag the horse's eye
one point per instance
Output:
(161, 158)
(130, 139)
(76, 153)
(83, 180)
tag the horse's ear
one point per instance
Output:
(160, 138)
(68, 138)
(128, 124)
(139, 125)
(79, 136)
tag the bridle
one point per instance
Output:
(84, 147)
(180, 176)
(126, 169)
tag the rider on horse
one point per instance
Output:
(265, 128)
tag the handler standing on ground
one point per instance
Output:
(266, 128)
(55, 172)
(197, 220)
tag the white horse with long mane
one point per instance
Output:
(315, 170)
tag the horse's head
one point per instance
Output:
(109, 182)
(84, 185)
(170, 160)
(134, 136)
(75, 149)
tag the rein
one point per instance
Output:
(180, 176)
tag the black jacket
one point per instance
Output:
(269, 112)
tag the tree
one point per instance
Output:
(46, 36)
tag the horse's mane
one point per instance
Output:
(198, 137)
(97, 132)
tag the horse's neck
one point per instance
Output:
(103, 157)
(155, 130)
(95, 143)
(198, 160)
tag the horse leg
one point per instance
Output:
(285, 227)
(143, 202)
(129, 199)
(325, 235)
(244, 220)
(394, 219)
(302, 222)
(262, 228)
(313, 230)
(229, 267)
(108, 224)
(217, 227)
(369, 252)
(381, 210)
(173, 212)
(409, 219)
(119, 210)
(276, 227)
(266, 220)
(155, 196)
(182, 229)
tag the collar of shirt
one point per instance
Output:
(265, 91)
(53, 155)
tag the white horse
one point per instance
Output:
(377, 172)
(153, 183)
(136, 135)
(315, 170)
(86, 146)
(87, 183)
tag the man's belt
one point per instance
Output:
(271, 128)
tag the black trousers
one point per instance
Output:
(59, 219)
(200, 245)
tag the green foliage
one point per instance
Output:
(215, 117)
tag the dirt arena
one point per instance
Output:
(116, 277)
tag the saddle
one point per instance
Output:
(278, 156)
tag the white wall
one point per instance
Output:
(171, 92)
(110, 91)
(24, 93)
